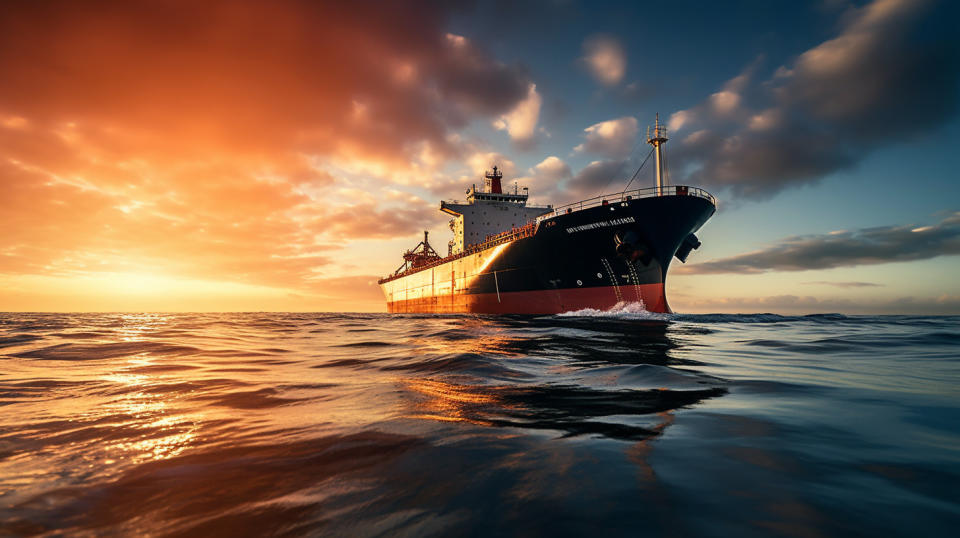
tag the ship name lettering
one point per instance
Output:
(602, 224)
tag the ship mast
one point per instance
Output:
(658, 139)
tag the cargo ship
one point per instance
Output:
(508, 257)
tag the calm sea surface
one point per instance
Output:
(622, 423)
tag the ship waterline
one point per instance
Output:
(652, 296)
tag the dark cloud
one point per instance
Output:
(891, 73)
(868, 246)
(598, 176)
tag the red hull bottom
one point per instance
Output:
(538, 302)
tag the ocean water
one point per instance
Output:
(618, 423)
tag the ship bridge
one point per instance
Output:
(488, 211)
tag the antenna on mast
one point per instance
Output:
(658, 139)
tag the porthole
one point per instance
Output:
(599, 275)
(579, 283)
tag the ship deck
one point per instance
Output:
(530, 229)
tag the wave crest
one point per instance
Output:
(621, 310)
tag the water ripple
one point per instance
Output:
(371, 425)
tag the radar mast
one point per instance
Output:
(658, 139)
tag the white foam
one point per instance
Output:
(621, 310)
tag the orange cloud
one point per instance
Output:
(249, 75)
(182, 139)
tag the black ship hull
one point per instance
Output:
(615, 252)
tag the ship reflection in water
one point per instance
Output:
(264, 424)
(576, 401)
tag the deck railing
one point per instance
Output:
(647, 192)
(467, 202)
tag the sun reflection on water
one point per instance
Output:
(165, 431)
(135, 326)
(448, 402)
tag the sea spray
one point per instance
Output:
(621, 310)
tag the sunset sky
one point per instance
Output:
(281, 155)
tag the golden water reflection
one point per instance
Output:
(135, 326)
(639, 453)
(165, 431)
(449, 402)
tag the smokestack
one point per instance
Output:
(495, 186)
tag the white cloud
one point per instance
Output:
(767, 119)
(679, 119)
(552, 168)
(456, 40)
(546, 178)
(612, 137)
(606, 59)
(696, 136)
(725, 102)
(521, 122)
(428, 157)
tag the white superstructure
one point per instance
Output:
(488, 212)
